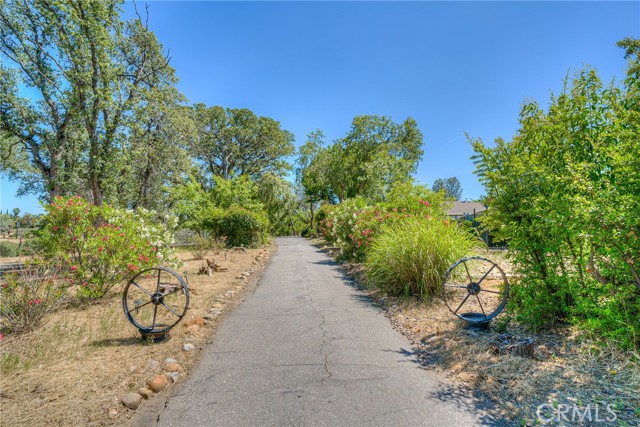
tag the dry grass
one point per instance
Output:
(567, 369)
(76, 367)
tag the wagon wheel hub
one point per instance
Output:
(157, 298)
(474, 288)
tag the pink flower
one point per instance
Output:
(1, 337)
(101, 248)
(74, 267)
(132, 267)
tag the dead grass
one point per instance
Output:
(75, 368)
(567, 369)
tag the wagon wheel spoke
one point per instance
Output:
(463, 301)
(158, 285)
(155, 312)
(143, 289)
(481, 308)
(493, 292)
(170, 309)
(172, 292)
(467, 269)
(139, 306)
(455, 286)
(486, 274)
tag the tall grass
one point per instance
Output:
(411, 257)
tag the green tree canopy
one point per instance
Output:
(232, 142)
(450, 186)
(85, 70)
(375, 154)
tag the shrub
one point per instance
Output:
(411, 257)
(309, 232)
(27, 296)
(8, 249)
(201, 245)
(340, 221)
(241, 227)
(321, 218)
(100, 246)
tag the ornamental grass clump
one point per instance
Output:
(411, 257)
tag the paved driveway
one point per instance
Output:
(307, 349)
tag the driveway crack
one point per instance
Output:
(321, 326)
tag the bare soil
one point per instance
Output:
(74, 370)
(567, 368)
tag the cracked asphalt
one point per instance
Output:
(307, 349)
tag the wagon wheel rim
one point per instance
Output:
(469, 285)
(155, 300)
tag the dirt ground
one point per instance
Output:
(74, 370)
(567, 370)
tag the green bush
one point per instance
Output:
(412, 256)
(309, 232)
(9, 249)
(241, 227)
(99, 247)
(564, 194)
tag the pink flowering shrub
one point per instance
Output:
(352, 225)
(99, 247)
(27, 296)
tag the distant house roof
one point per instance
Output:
(462, 208)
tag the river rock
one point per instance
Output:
(145, 392)
(158, 383)
(132, 400)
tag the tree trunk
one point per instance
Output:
(311, 208)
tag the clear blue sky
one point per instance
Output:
(452, 66)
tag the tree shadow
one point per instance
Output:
(471, 399)
(118, 342)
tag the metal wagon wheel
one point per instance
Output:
(475, 289)
(155, 300)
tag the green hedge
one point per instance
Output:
(240, 226)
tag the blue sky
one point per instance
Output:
(455, 67)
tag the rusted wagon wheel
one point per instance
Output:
(155, 300)
(475, 289)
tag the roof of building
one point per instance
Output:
(462, 208)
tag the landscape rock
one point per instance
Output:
(145, 392)
(152, 365)
(169, 360)
(113, 413)
(135, 369)
(188, 347)
(132, 400)
(172, 376)
(173, 367)
(158, 383)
